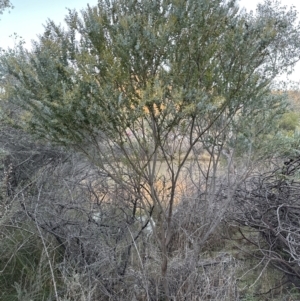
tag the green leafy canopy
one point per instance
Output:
(167, 61)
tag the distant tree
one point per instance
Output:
(146, 89)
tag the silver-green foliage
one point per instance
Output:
(189, 59)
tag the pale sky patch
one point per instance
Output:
(27, 17)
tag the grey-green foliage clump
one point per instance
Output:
(4, 4)
(3, 154)
(120, 57)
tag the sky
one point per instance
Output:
(27, 17)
